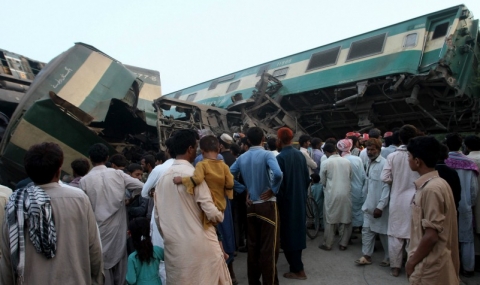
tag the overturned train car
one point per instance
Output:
(79, 98)
(422, 71)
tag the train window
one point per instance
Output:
(410, 40)
(367, 47)
(262, 69)
(440, 31)
(324, 58)
(280, 73)
(233, 86)
(177, 95)
(191, 97)
(215, 82)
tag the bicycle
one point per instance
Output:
(313, 219)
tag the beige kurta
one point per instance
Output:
(79, 254)
(106, 189)
(434, 208)
(5, 193)
(335, 175)
(192, 253)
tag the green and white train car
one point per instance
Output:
(420, 71)
(79, 98)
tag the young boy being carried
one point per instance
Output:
(215, 173)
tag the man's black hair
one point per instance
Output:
(98, 153)
(396, 138)
(315, 177)
(406, 133)
(303, 139)
(331, 140)
(388, 141)
(255, 135)
(183, 140)
(316, 143)
(80, 166)
(374, 133)
(330, 148)
(149, 160)
(119, 160)
(235, 149)
(443, 153)
(244, 141)
(42, 162)
(209, 143)
(472, 142)
(426, 148)
(170, 144)
(272, 144)
(453, 141)
(160, 156)
(134, 166)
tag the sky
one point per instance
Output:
(194, 41)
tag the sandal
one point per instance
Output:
(291, 275)
(363, 261)
(324, 247)
(384, 264)
(342, 248)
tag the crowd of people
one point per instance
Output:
(181, 216)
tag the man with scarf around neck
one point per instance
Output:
(335, 175)
(467, 172)
(70, 248)
(291, 200)
(433, 249)
(398, 174)
(357, 181)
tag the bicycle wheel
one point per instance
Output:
(313, 220)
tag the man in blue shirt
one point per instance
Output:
(262, 177)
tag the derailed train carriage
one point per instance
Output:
(421, 71)
(79, 98)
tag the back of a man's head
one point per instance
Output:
(255, 136)
(330, 148)
(42, 161)
(183, 140)
(272, 144)
(426, 148)
(98, 153)
(472, 142)
(170, 144)
(209, 143)
(406, 133)
(374, 133)
(316, 143)
(453, 141)
(80, 166)
(119, 160)
(160, 157)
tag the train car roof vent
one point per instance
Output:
(323, 58)
(367, 47)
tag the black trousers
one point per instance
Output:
(294, 258)
(263, 233)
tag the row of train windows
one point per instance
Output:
(359, 49)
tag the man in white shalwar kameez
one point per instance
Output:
(375, 208)
(105, 187)
(192, 252)
(335, 175)
(398, 174)
(357, 181)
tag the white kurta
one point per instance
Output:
(377, 195)
(311, 164)
(397, 172)
(357, 182)
(105, 187)
(335, 175)
(475, 156)
(192, 253)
